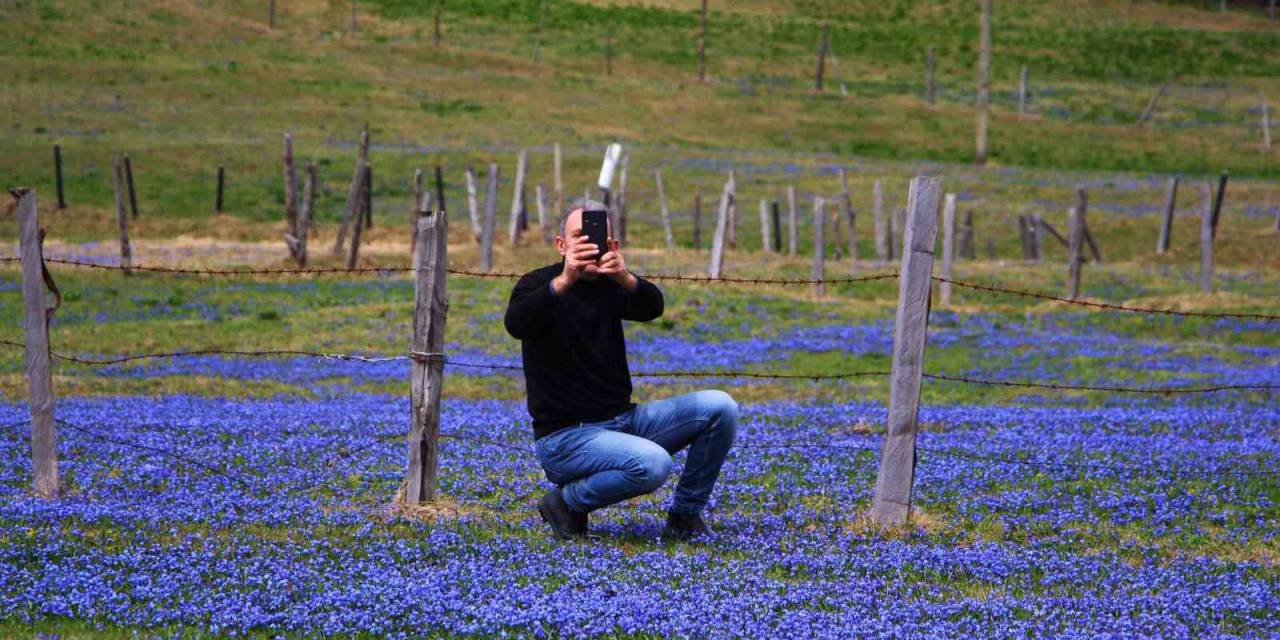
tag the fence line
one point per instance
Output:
(659, 374)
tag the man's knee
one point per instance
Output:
(650, 468)
(718, 404)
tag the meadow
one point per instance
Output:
(229, 496)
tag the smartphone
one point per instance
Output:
(595, 226)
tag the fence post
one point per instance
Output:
(666, 214)
(544, 225)
(697, 217)
(822, 58)
(1217, 203)
(881, 228)
(777, 226)
(437, 34)
(1043, 226)
(490, 214)
(1206, 240)
(929, 62)
(702, 43)
(793, 236)
(1166, 224)
(948, 252)
(353, 192)
(731, 229)
(967, 249)
(304, 216)
(852, 220)
(1093, 246)
(122, 217)
(1022, 91)
(271, 14)
(133, 194)
(765, 243)
(1151, 106)
(290, 195)
(896, 222)
(819, 243)
(837, 234)
(718, 239)
(365, 203)
(473, 205)
(430, 308)
(44, 451)
(1075, 245)
(415, 205)
(57, 174)
(622, 200)
(1266, 126)
(892, 502)
(559, 208)
(217, 200)
(984, 84)
(517, 190)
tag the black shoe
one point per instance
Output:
(685, 526)
(565, 523)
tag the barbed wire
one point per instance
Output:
(1221, 472)
(1104, 305)
(663, 374)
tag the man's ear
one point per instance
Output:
(560, 244)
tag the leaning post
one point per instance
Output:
(430, 307)
(1166, 225)
(1075, 244)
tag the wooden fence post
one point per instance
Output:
(559, 209)
(430, 309)
(366, 202)
(666, 213)
(1166, 224)
(1036, 229)
(35, 324)
(122, 217)
(881, 226)
(1217, 203)
(837, 234)
(57, 175)
(948, 240)
(892, 502)
(415, 205)
(697, 217)
(353, 192)
(217, 200)
(852, 219)
(1151, 105)
(517, 191)
(473, 205)
(1266, 126)
(1022, 91)
(722, 222)
(822, 58)
(984, 84)
(133, 193)
(1023, 241)
(542, 18)
(1206, 239)
(777, 226)
(1075, 246)
(540, 200)
(731, 230)
(608, 53)
(1048, 228)
(1092, 245)
(896, 222)
(793, 235)
(967, 249)
(271, 14)
(307, 213)
(290, 195)
(929, 63)
(438, 34)
(622, 200)
(490, 214)
(765, 243)
(819, 244)
(702, 43)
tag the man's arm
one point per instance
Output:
(529, 308)
(644, 303)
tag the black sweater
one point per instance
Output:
(575, 358)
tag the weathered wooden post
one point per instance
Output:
(793, 236)
(777, 226)
(217, 200)
(544, 224)
(1206, 239)
(517, 190)
(1166, 224)
(968, 251)
(473, 205)
(622, 200)
(57, 175)
(929, 63)
(608, 53)
(559, 210)
(702, 43)
(731, 231)
(366, 202)
(1075, 246)
(892, 502)
(895, 231)
(666, 213)
(881, 225)
(722, 222)
(1266, 126)
(852, 219)
(1022, 91)
(353, 192)
(1151, 106)
(290, 195)
(1036, 231)
(542, 18)
(271, 14)
(133, 193)
(430, 308)
(367, 192)
(416, 203)
(1023, 240)
(837, 234)
(948, 240)
(490, 214)
(984, 84)
(822, 58)
(438, 32)
(1217, 202)
(1091, 244)
(819, 244)
(307, 213)
(765, 244)
(697, 217)
(35, 325)
(122, 217)
(1044, 226)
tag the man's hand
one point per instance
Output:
(612, 265)
(579, 258)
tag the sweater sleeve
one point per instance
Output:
(643, 304)
(529, 308)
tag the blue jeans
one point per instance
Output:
(601, 463)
